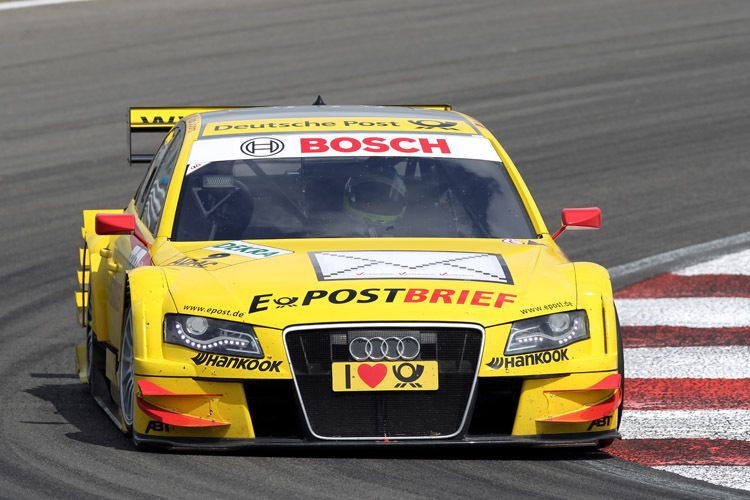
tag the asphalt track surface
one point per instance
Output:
(639, 107)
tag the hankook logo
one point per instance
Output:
(262, 146)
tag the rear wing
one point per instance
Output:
(161, 121)
(439, 107)
(157, 121)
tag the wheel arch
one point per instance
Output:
(148, 296)
(92, 276)
(594, 293)
(593, 283)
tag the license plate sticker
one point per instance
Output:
(385, 376)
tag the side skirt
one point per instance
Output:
(100, 388)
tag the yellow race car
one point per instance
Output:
(341, 274)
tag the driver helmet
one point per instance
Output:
(377, 197)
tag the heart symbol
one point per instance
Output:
(372, 375)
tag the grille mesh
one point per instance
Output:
(388, 414)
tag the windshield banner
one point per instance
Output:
(338, 145)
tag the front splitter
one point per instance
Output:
(592, 439)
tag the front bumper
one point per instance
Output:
(543, 411)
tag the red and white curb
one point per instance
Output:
(686, 337)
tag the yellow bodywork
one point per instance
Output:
(181, 278)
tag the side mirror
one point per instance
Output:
(106, 224)
(580, 218)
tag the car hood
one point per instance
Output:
(281, 283)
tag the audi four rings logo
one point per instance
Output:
(262, 146)
(378, 348)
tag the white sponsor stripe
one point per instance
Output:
(694, 312)
(354, 144)
(732, 362)
(734, 263)
(686, 424)
(35, 3)
(723, 475)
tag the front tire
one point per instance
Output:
(127, 372)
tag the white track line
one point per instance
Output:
(674, 256)
(686, 424)
(731, 362)
(694, 312)
(34, 3)
(733, 263)
(723, 475)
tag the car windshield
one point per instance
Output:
(349, 196)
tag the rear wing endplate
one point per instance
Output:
(161, 121)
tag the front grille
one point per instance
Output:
(273, 408)
(387, 414)
(495, 406)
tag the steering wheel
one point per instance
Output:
(226, 204)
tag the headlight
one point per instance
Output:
(212, 335)
(547, 332)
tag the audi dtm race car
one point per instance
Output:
(341, 274)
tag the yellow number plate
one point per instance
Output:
(385, 376)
